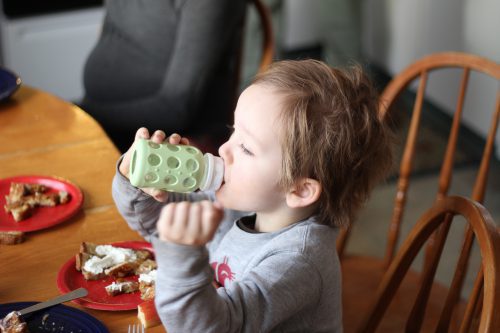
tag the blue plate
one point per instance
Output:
(9, 83)
(59, 318)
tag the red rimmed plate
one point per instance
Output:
(69, 279)
(43, 217)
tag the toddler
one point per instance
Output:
(306, 149)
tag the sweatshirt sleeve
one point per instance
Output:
(187, 302)
(137, 208)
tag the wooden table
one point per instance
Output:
(41, 134)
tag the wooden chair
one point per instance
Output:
(361, 274)
(208, 143)
(267, 45)
(438, 217)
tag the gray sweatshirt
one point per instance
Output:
(283, 281)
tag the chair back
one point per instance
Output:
(483, 303)
(267, 46)
(420, 72)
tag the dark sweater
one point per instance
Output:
(164, 64)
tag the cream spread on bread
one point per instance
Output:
(148, 277)
(110, 256)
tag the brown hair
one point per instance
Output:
(331, 133)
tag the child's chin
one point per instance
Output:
(221, 196)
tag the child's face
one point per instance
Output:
(252, 155)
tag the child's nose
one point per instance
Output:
(224, 151)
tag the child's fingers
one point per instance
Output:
(142, 133)
(158, 195)
(124, 168)
(189, 223)
(158, 136)
(165, 221)
(168, 214)
(218, 205)
(211, 218)
(174, 139)
(193, 231)
(179, 220)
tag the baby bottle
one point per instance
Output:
(175, 168)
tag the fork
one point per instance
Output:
(136, 328)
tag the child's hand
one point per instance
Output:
(189, 223)
(157, 137)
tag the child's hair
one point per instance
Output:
(331, 132)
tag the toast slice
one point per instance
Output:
(89, 248)
(81, 259)
(147, 314)
(100, 261)
(13, 323)
(146, 266)
(147, 291)
(11, 237)
(122, 287)
(147, 282)
(122, 269)
(19, 210)
(96, 262)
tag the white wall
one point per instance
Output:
(396, 33)
(49, 51)
(482, 36)
(335, 24)
(302, 30)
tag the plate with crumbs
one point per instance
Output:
(59, 318)
(40, 217)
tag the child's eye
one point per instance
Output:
(245, 150)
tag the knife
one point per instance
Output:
(77, 293)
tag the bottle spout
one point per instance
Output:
(214, 173)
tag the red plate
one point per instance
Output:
(69, 279)
(43, 217)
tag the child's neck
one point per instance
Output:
(270, 222)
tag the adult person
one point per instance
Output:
(164, 64)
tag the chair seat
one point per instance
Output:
(361, 277)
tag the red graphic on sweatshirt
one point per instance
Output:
(222, 271)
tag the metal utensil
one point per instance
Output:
(132, 328)
(77, 293)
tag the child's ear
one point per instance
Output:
(305, 192)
